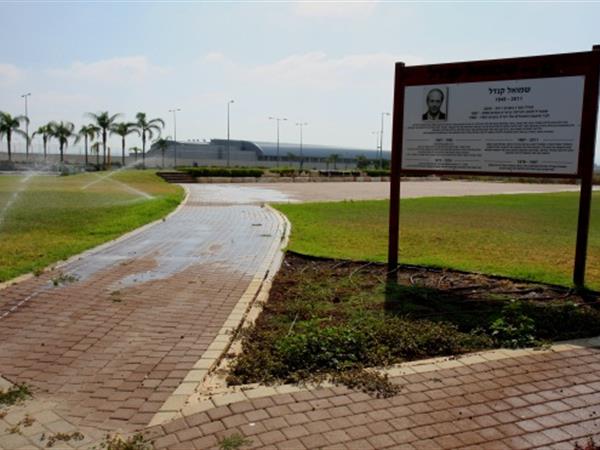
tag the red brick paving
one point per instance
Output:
(110, 347)
(547, 401)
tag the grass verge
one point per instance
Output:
(528, 236)
(44, 219)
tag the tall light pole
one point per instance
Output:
(26, 125)
(377, 142)
(228, 142)
(383, 114)
(174, 111)
(278, 119)
(301, 125)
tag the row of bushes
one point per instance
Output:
(282, 171)
(223, 172)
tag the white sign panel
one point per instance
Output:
(522, 126)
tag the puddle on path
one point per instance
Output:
(236, 194)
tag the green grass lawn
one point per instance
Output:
(528, 236)
(44, 219)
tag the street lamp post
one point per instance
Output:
(278, 119)
(26, 125)
(377, 134)
(174, 111)
(383, 114)
(228, 141)
(301, 125)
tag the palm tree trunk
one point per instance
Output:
(8, 145)
(143, 150)
(61, 152)
(123, 152)
(45, 148)
(85, 140)
(104, 147)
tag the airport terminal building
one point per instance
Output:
(217, 152)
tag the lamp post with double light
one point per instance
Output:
(174, 111)
(301, 125)
(24, 96)
(278, 119)
(383, 114)
(228, 141)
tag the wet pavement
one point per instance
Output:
(109, 336)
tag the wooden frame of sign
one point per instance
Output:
(524, 117)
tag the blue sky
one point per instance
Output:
(328, 64)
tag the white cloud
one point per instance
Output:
(133, 69)
(318, 70)
(9, 74)
(335, 9)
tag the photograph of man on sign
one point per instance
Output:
(434, 101)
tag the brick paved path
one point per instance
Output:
(107, 349)
(547, 401)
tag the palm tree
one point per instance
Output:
(46, 132)
(135, 151)
(162, 145)
(124, 129)
(96, 149)
(62, 131)
(88, 133)
(147, 128)
(334, 157)
(10, 125)
(103, 121)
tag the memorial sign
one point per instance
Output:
(502, 126)
(531, 116)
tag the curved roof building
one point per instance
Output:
(242, 152)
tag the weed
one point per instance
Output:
(15, 394)
(15, 429)
(589, 445)
(64, 437)
(26, 422)
(135, 442)
(115, 296)
(62, 278)
(234, 442)
(369, 382)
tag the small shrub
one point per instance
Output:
(563, 320)
(234, 442)
(514, 328)
(284, 171)
(339, 173)
(377, 173)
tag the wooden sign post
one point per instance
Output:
(523, 117)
